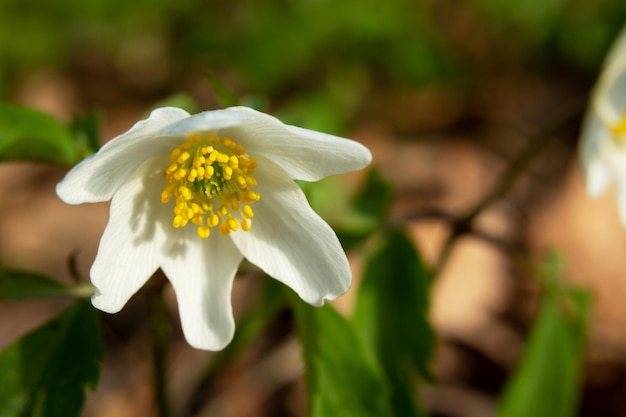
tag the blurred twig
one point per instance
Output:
(543, 137)
(464, 224)
(159, 333)
(72, 266)
(448, 218)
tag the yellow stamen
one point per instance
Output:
(183, 157)
(619, 130)
(178, 221)
(213, 220)
(247, 211)
(175, 154)
(204, 232)
(233, 224)
(210, 179)
(171, 169)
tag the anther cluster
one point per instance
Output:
(211, 179)
(619, 130)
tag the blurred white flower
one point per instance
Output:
(194, 195)
(603, 139)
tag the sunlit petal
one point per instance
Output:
(603, 135)
(202, 273)
(290, 242)
(304, 154)
(131, 247)
(99, 176)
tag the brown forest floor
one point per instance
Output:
(439, 149)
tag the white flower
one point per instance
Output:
(194, 195)
(603, 139)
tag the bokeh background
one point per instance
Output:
(445, 93)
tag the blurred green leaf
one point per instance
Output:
(29, 135)
(331, 199)
(317, 111)
(375, 197)
(547, 381)
(343, 379)
(21, 285)
(353, 216)
(224, 94)
(181, 100)
(546, 31)
(16, 285)
(45, 373)
(86, 130)
(391, 315)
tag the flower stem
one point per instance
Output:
(159, 339)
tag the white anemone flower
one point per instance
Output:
(194, 195)
(603, 139)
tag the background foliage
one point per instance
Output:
(500, 76)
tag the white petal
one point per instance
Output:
(613, 156)
(139, 238)
(208, 122)
(304, 154)
(290, 242)
(593, 133)
(202, 273)
(594, 137)
(598, 178)
(99, 176)
(610, 95)
(618, 49)
(621, 199)
(130, 248)
(615, 61)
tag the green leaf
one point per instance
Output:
(45, 373)
(86, 131)
(29, 135)
(375, 197)
(223, 93)
(354, 216)
(548, 379)
(16, 285)
(343, 379)
(391, 315)
(180, 100)
(332, 199)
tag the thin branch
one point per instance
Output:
(159, 341)
(536, 145)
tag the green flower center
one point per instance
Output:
(211, 179)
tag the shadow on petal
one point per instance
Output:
(148, 212)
